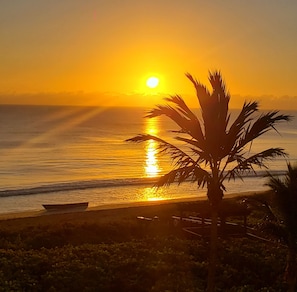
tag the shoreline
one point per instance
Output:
(37, 213)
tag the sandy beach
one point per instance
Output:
(107, 212)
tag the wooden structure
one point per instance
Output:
(196, 218)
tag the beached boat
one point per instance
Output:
(67, 206)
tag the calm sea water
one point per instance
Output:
(55, 154)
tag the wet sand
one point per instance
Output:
(114, 208)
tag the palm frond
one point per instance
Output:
(276, 184)
(179, 157)
(259, 160)
(220, 94)
(183, 174)
(263, 124)
(181, 106)
(285, 190)
(201, 156)
(194, 143)
(276, 229)
(181, 115)
(202, 92)
(237, 128)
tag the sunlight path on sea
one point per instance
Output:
(152, 168)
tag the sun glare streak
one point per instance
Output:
(74, 118)
(152, 168)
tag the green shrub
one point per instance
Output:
(158, 264)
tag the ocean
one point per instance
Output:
(60, 154)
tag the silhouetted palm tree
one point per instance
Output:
(217, 149)
(285, 190)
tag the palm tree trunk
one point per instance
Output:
(212, 264)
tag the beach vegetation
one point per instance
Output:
(151, 263)
(284, 223)
(214, 147)
(110, 250)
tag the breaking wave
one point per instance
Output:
(91, 184)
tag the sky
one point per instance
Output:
(100, 52)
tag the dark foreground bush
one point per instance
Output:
(160, 264)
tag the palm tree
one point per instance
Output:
(216, 148)
(285, 191)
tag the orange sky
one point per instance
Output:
(101, 52)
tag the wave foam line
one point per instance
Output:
(80, 185)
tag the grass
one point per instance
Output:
(110, 250)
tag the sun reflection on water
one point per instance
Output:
(152, 168)
(152, 195)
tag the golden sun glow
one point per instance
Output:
(152, 82)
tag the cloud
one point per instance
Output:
(140, 100)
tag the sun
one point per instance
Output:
(152, 82)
